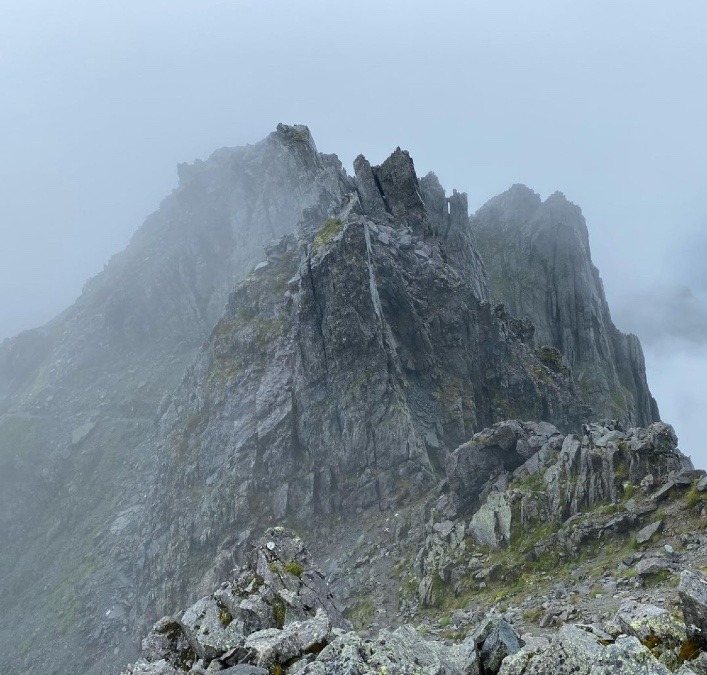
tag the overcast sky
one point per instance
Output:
(605, 101)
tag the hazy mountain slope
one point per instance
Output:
(341, 376)
(566, 565)
(344, 371)
(539, 265)
(80, 395)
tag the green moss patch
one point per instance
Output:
(330, 228)
(294, 568)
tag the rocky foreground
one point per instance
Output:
(284, 344)
(583, 555)
(278, 616)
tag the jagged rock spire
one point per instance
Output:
(538, 260)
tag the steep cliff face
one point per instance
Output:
(346, 368)
(539, 265)
(101, 368)
(79, 397)
(539, 527)
(171, 283)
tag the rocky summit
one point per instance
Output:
(538, 264)
(439, 405)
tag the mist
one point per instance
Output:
(604, 102)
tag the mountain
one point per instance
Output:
(539, 265)
(534, 544)
(344, 371)
(80, 397)
(277, 613)
(284, 344)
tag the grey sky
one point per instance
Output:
(603, 100)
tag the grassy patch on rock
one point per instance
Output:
(330, 228)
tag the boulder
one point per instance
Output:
(693, 598)
(651, 566)
(627, 655)
(666, 491)
(642, 620)
(167, 641)
(651, 625)
(571, 652)
(697, 666)
(272, 647)
(645, 533)
(574, 651)
(403, 650)
(500, 643)
(491, 524)
(208, 628)
(143, 667)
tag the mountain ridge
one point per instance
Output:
(381, 268)
(546, 243)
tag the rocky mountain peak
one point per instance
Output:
(538, 260)
(79, 397)
(298, 140)
(284, 344)
(568, 220)
(516, 202)
(346, 368)
(390, 192)
(549, 503)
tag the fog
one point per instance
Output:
(604, 101)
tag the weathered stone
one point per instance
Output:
(400, 651)
(504, 447)
(666, 490)
(645, 533)
(145, 668)
(276, 647)
(372, 199)
(244, 669)
(693, 599)
(685, 669)
(653, 450)
(399, 185)
(491, 524)
(627, 655)
(208, 629)
(167, 641)
(571, 652)
(651, 566)
(651, 624)
(648, 482)
(500, 643)
(278, 585)
(696, 666)
(686, 477)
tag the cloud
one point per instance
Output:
(678, 379)
(665, 317)
(671, 320)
